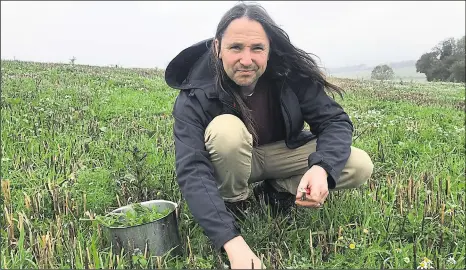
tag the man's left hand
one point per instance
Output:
(313, 181)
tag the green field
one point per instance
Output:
(79, 140)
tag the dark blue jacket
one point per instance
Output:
(199, 102)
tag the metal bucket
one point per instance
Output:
(159, 237)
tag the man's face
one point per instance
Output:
(245, 51)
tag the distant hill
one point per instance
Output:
(348, 69)
(405, 70)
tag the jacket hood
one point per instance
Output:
(191, 67)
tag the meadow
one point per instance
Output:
(79, 141)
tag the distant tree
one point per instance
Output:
(460, 46)
(72, 60)
(457, 71)
(382, 72)
(446, 48)
(426, 64)
(445, 62)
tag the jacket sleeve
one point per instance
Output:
(195, 173)
(333, 128)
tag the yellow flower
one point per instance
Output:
(352, 246)
(366, 231)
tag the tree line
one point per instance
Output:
(445, 62)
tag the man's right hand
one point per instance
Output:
(241, 255)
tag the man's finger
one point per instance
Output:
(312, 204)
(301, 193)
(299, 202)
(309, 201)
(315, 195)
(322, 200)
(324, 197)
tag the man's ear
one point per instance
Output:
(216, 43)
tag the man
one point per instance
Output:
(244, 98)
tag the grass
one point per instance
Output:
(79, 141)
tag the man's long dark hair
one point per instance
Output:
(286, 62)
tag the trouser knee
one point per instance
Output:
(358, 170)
(230, 147)
(363, 169)
(226, 135)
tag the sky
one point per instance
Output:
(151, 33)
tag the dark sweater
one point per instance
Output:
(266, 112)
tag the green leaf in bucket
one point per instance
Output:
(140, 215)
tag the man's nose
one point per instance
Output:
(246, 58)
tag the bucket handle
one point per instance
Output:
(178, 210)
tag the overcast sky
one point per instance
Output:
(150, 34)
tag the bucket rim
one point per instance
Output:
(143, 203)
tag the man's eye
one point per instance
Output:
(258, 49)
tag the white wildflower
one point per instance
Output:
(451, 260)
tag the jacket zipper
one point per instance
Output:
(288, 115)
(231, 107)
(286, 110)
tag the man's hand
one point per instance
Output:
(241, 256)
(313, 181)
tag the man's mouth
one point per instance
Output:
(246, 71)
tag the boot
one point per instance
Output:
(281, 203)
(238, 209)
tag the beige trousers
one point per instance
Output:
(237, 163)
